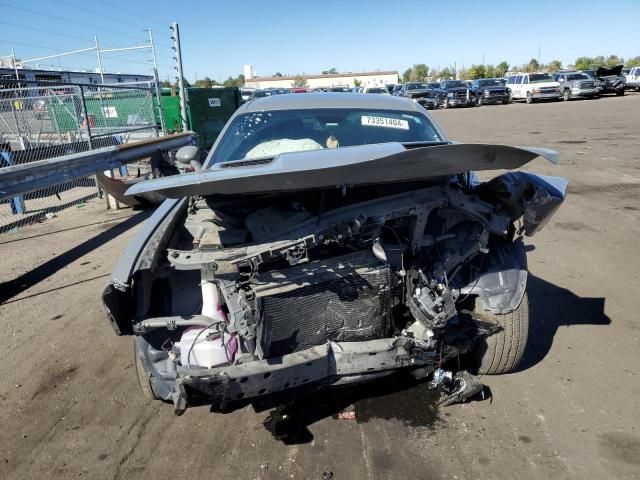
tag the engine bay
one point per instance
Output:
(248, 296)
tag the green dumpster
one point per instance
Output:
(208, 110)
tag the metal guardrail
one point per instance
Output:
(21, 179)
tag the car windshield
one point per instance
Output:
(540, 78)
(490, 83)
(377, 90)
(416, 86)
(269, 133)
(261, 93)
(455, 84)
(577, 76)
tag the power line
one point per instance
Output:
(40, 47)
(48, 15)
(94, 12)
(164, 25)
(50, 32)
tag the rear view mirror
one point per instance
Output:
(189, 155)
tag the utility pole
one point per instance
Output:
(156, 82)
(15, 65)
(178, 58)
(95, 37)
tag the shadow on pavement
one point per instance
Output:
(397, 396)
(23, 282)
(401, 397)
(53, 232)
(552, 307)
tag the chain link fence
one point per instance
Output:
(38, 122)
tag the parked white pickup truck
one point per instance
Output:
(533, 86)
(633, 79)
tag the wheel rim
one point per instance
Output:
(566, 95)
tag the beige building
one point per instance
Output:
(366, 79)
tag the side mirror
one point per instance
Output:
(189, 155)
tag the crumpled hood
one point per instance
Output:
(359, 165)
(608, 72)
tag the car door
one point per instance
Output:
(561, 79)
(524, 86)
(517, 86)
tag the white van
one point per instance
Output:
(633, 78)
(533, 86)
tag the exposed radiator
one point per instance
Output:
(344, 298)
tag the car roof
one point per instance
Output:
(305, 101)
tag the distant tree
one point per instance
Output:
(186, 83)
(406, 76)
(583, 63)
(501, 69)
(299, 81)
(234, 82)
(277, 74)
(356, 82)
(532, 66)
(206, 82)
(554, 66)
(492, 72)
(475, 71)
(446, 74)
(613, 60)
(330, 71)
(166, 84)
(633, 62)
(419, 72)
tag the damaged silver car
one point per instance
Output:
(327, 240)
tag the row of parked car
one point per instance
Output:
(530, 87)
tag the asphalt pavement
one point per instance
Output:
(70, 404)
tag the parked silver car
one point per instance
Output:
(576, 84)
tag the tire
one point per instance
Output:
(479, 101)
(529, 99)
(620, 93)
(566, 95)
(502, 352)
(143, 376)
(446, 103)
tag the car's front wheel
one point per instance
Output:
(502, 352)
(620, 93)
(529, 98)
(566, 95)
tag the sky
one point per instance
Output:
(295, 37)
